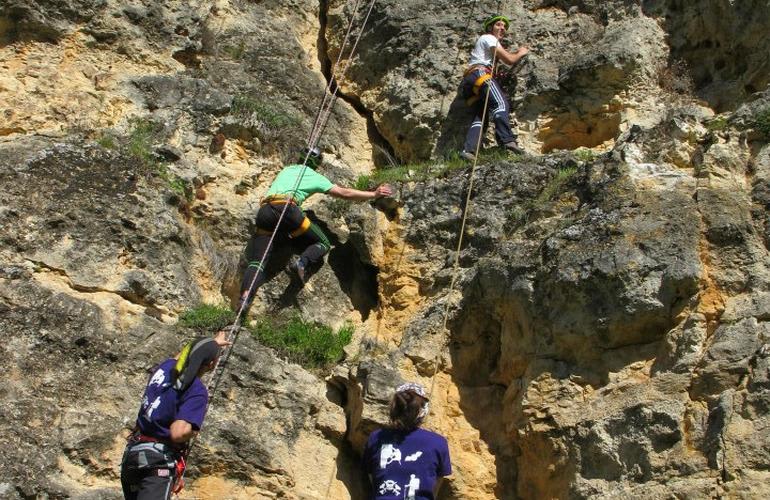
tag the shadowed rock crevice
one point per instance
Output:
(382, 149)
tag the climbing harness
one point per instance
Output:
(478, 83)
(319, 125)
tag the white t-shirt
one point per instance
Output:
(483, 52)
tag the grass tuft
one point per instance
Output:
(309, 344)
(584, 154)
(207, 317)
(414, 172)
(519, 215)
(717, 124)
(762, 122)
(142, 133)
(272, 116)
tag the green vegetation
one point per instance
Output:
(584, 155)
(556, 185)
(520, 214)
(138, 143)
(310, 344)
(107, 141)
(762, 122)
(207, 318)
(178, 185)
(268, 113)
(412, 172)
(717, 124)
(236, 52)
(141, 135)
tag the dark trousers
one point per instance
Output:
(315, 241)
(148, 471)
(498, 109)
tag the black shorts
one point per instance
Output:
(148, 471)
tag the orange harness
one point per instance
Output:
(478, 83)
(282, 199)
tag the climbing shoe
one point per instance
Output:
(295, 267)
(468, 155)
(513, 148)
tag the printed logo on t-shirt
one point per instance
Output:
(390, 487)
(157, 378)
(414, 485)
(388, 455)
(149, 408)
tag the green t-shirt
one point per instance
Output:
(312, 182)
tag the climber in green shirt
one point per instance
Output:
(282, 196)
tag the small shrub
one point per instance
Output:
(141, 135)
(762, 122)
(555, 185)
(180, 186)
(207, 317)
(310, 344)
(717, 124)
(519, 215)
(269, 114)
(584, 155)
(236, 52)
(107, 141)
(363, 183)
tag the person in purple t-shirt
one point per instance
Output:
(404, 461)
(172, 411)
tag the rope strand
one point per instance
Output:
(322, 118)
(456, 263)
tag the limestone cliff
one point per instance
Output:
(604, 333)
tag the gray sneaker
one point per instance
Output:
(296, 268)
(468, 155)
(513, 148)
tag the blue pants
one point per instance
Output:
(497, 107)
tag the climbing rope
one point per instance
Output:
(332, 79)
(348, 61)
(312, 142)
(322, 117)
(456, 264)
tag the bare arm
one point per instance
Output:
(181, 431)
(510, 58)
(357, 195)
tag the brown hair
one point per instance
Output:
(405, 410)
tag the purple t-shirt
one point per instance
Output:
(406, 464)
(161, 404)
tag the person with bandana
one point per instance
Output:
(404, 461)
(171, 414)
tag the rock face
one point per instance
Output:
(602, 333)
